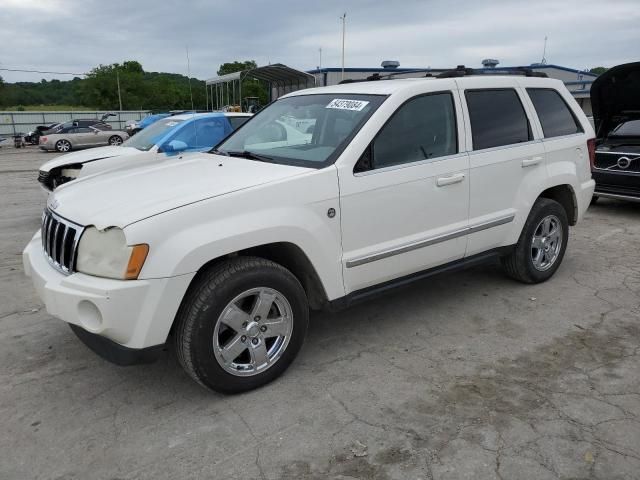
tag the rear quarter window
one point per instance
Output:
(554, 114)
(497, 118)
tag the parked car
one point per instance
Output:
(222, 255)
(135, 126)
(71, 138)
(615, 97)
(167, 137)
(33, 136)
(81, 122)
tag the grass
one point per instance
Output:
(47, 108)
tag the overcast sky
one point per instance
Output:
(76, 35)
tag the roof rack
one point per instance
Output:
(462, 71)
(459, 71)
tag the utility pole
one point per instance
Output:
(344, 22)
(119, 94)
(320, 61)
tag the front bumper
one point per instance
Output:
(132, 314)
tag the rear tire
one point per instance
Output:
(223, 327)
(115, 140)
(63, 146)
(542, 243)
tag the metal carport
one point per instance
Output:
(227, 89)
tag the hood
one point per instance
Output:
(121, 197)
(615, 97)
(89, 155)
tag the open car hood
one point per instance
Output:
(615, 97)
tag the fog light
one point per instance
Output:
(90, 316)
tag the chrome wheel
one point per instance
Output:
(546, 243)
(253, 331)
(115, 140)
(63, 146)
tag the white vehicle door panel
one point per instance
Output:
(502, 180)
(404, 218)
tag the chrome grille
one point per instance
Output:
(618, 161)
(60, 241)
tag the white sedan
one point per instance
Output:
(165, 138)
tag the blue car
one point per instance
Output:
(134, 127)
(190, 132)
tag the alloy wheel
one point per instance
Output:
(546, 243)
(253, 331)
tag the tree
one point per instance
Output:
(139, 89)
(232, 67)
(598, 70)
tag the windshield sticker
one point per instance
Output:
(344, 104)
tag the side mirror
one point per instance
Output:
(174, 146)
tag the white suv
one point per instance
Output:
(383, 182)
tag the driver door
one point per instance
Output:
(404, 208)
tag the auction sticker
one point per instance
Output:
(345, 104)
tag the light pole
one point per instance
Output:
(119, 94)
(344, 22)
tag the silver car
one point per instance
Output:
(75, 137)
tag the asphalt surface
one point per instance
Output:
(465, 375)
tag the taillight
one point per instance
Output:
(591, 146)
(43, 139)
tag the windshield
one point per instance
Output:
(627, 129)
(306, 130)
(148, 137)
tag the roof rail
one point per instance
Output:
(462, 71)
(459, 71)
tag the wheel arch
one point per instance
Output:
(565, 195)
(291, 257)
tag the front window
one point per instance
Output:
(150, 136)
(306, 130)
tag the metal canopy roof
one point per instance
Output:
(277, 73)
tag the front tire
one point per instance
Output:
(63, 146)
(115, 140)
(241, 324)
(542, 243)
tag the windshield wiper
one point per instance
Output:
(219, 152)
(249, 155)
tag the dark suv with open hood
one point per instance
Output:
(615, 97)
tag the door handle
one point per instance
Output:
(530, 162)
(457, 178)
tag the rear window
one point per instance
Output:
(555, 116)
(497, 118)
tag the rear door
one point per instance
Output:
(506, 162)
(404, 206)
(563, 136)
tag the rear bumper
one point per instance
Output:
(584, 194)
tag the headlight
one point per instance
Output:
(105, 253)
